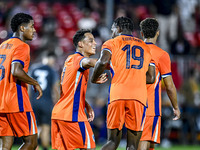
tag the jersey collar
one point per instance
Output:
(148, 43)
(79, 53)
(15, 37)
(127, 35)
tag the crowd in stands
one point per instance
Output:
(57, 21)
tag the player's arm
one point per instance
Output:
(88, 62)
(18, 72)
(90, 111)
(150, 75)
(55, 92)
(171, 92)
(101, 65)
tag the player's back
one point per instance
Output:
(163, 69)
(46, 77)
(129, 64)
(71, 104)
(13, 92)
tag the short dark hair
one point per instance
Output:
(124, 23)
(79, 35)
(149, 27)
(18, 19)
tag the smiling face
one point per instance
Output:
(29, 30)
(89, 44)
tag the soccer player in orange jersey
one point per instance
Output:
(70, 128)
(16, 115)
(131, 68)
(151, 133)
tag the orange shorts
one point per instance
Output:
(17, 124)
(130, 112)
(71, 135)
(151, 130)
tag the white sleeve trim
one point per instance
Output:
(106, 49)
(152, 64)
(81, 65)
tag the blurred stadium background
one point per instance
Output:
(56, 21)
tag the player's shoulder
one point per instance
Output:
(13, 43)
(17, 42)
(161, 51)
(138, 40)
(70, 58)
(110, 41)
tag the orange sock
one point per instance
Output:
(151, 149)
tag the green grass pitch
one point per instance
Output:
(177, 147)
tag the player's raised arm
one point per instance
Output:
(150, 75)
(171, 92)
(101, 65)
(88, 62)
(18, 72)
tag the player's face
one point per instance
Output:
(115, 30)
(29, 31)
(89, 44)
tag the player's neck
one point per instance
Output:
(83, 53)
(150, 40)
(126, 33)
(15, 34)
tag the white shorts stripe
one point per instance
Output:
(143, 123)
(156, 134)
(88, 138)
(33, 125)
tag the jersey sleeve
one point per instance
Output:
(165, 65)
(152, 63)
(21, 53)
(78, 63)
(108, 45)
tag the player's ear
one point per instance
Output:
(142, 34)
(21, 28)
(157, 33)
(80, 44)
(119, 30)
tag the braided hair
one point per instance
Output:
(124, 23)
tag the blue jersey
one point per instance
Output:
(46, 77)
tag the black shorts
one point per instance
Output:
(42, 112)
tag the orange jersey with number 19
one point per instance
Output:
(129, 63)
(14, 96)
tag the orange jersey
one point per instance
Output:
(71, 105)
(163, 69)
(129, 63)
(13, 94)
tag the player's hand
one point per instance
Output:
(177, 114)
(90, 112)
(102, 78)
(39, 89)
